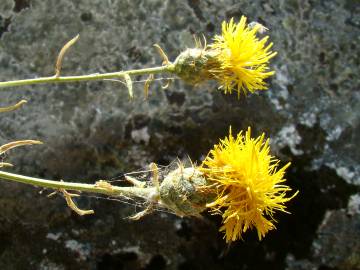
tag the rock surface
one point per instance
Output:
(92, 130)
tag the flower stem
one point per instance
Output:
(91, 77)
(98, 187)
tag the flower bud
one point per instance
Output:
(194, 65)
(183, 191)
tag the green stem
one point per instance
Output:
(90, 77)
(91, 188)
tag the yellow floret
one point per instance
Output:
(248, 184)
(243, 56)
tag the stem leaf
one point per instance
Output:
(129, 85)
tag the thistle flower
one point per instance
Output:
(248, 184)
(238, 179)
(237, 59)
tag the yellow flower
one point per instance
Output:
(242, 56)
(248, 184)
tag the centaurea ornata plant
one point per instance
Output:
(238, 59)
(238, 179)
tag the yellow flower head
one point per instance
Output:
(248, 184)
(243, 56)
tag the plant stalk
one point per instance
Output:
(90, 77)
(91, 188)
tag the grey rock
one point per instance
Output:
(354, 205)
(92, 131)
(329, 249)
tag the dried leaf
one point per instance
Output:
(13, 107)
(10, 145)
